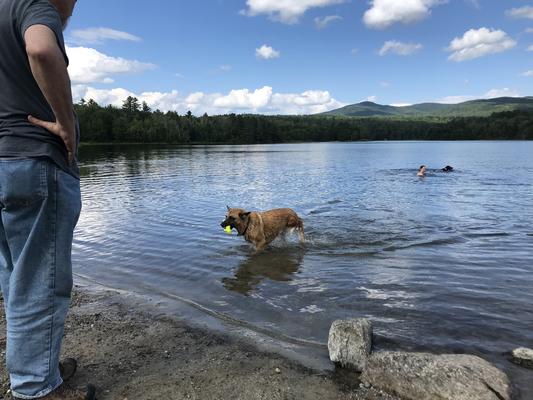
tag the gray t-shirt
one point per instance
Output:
(20, 95)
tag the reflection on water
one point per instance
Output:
(275, 265)
(440, 263)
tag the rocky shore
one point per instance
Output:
(417, 376)
(132, 353)
(131, 349)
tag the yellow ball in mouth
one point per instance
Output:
(227, 229)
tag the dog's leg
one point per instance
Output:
(260, 246)
(260, 240)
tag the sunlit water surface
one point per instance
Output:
(441, 263)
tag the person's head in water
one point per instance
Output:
(65, 8)
(422, 170)
(448, 168)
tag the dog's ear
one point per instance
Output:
(228, 208)
(243, 215)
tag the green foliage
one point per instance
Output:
(136, 123)
(474, 108)
(131, 105)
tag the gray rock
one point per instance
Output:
(523, 357)
(423, 376)
(350, 342)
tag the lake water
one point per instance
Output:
(441, 263)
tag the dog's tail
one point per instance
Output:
(300, 228)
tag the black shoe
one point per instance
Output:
(67, 368)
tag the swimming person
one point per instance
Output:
(422, 171)
(447, 168)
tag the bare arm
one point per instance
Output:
(49, 69)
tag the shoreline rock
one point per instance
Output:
(350, 343)
(415, 376)
(523, 357)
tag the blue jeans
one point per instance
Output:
(39, 208)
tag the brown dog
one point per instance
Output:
(261, 228)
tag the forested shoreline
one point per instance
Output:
(137, 123)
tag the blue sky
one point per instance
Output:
(299, 56)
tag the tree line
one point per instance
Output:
(135, 122)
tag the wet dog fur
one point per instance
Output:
(261, 228)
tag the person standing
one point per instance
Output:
(40, 197)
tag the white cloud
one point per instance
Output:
(354, 51)
(90, 66)
(455, 99)
(384, 84)
(505, 92)
(79, 92)
(101, 96)
(286, 11)
(243, 99)
(528, 73)
(159, 100)
(522, 12)
(529, 30)
(373, 99)
(491, 94)
(478, 43)
(262, 100)
(530, 48)
(323, 22)
(266, 53)
(385, 13)
(308, 102)
(99, 35)
(401, 104)
(399, 48)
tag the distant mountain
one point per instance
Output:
(474, 108)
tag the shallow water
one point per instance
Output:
(441, 263)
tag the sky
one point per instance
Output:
(298, 56)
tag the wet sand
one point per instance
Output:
(131, 352)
